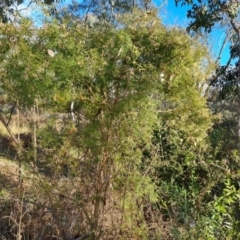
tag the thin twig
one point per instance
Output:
(9, 119)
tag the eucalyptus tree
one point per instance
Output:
(205, 15)
(127, 84)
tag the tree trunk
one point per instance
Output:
(35, 116)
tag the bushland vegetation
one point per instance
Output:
(107, 132)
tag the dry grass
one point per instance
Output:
(44, 203)
(15, 129)
(8, 178)
(19, 214)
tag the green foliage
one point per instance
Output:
(139, 136)
(206, 14)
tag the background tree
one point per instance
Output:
(93, 11)
(9, 9)
(225, 84)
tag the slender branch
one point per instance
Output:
(215, 165)
(26, 8)
(222, 47)
(9, 119)
(2, 119)
(89, 7)
(235, 28)
(162, 4)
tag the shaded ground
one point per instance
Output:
(8, 177)
(12, 202)
(41, 218)
(8, 188)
